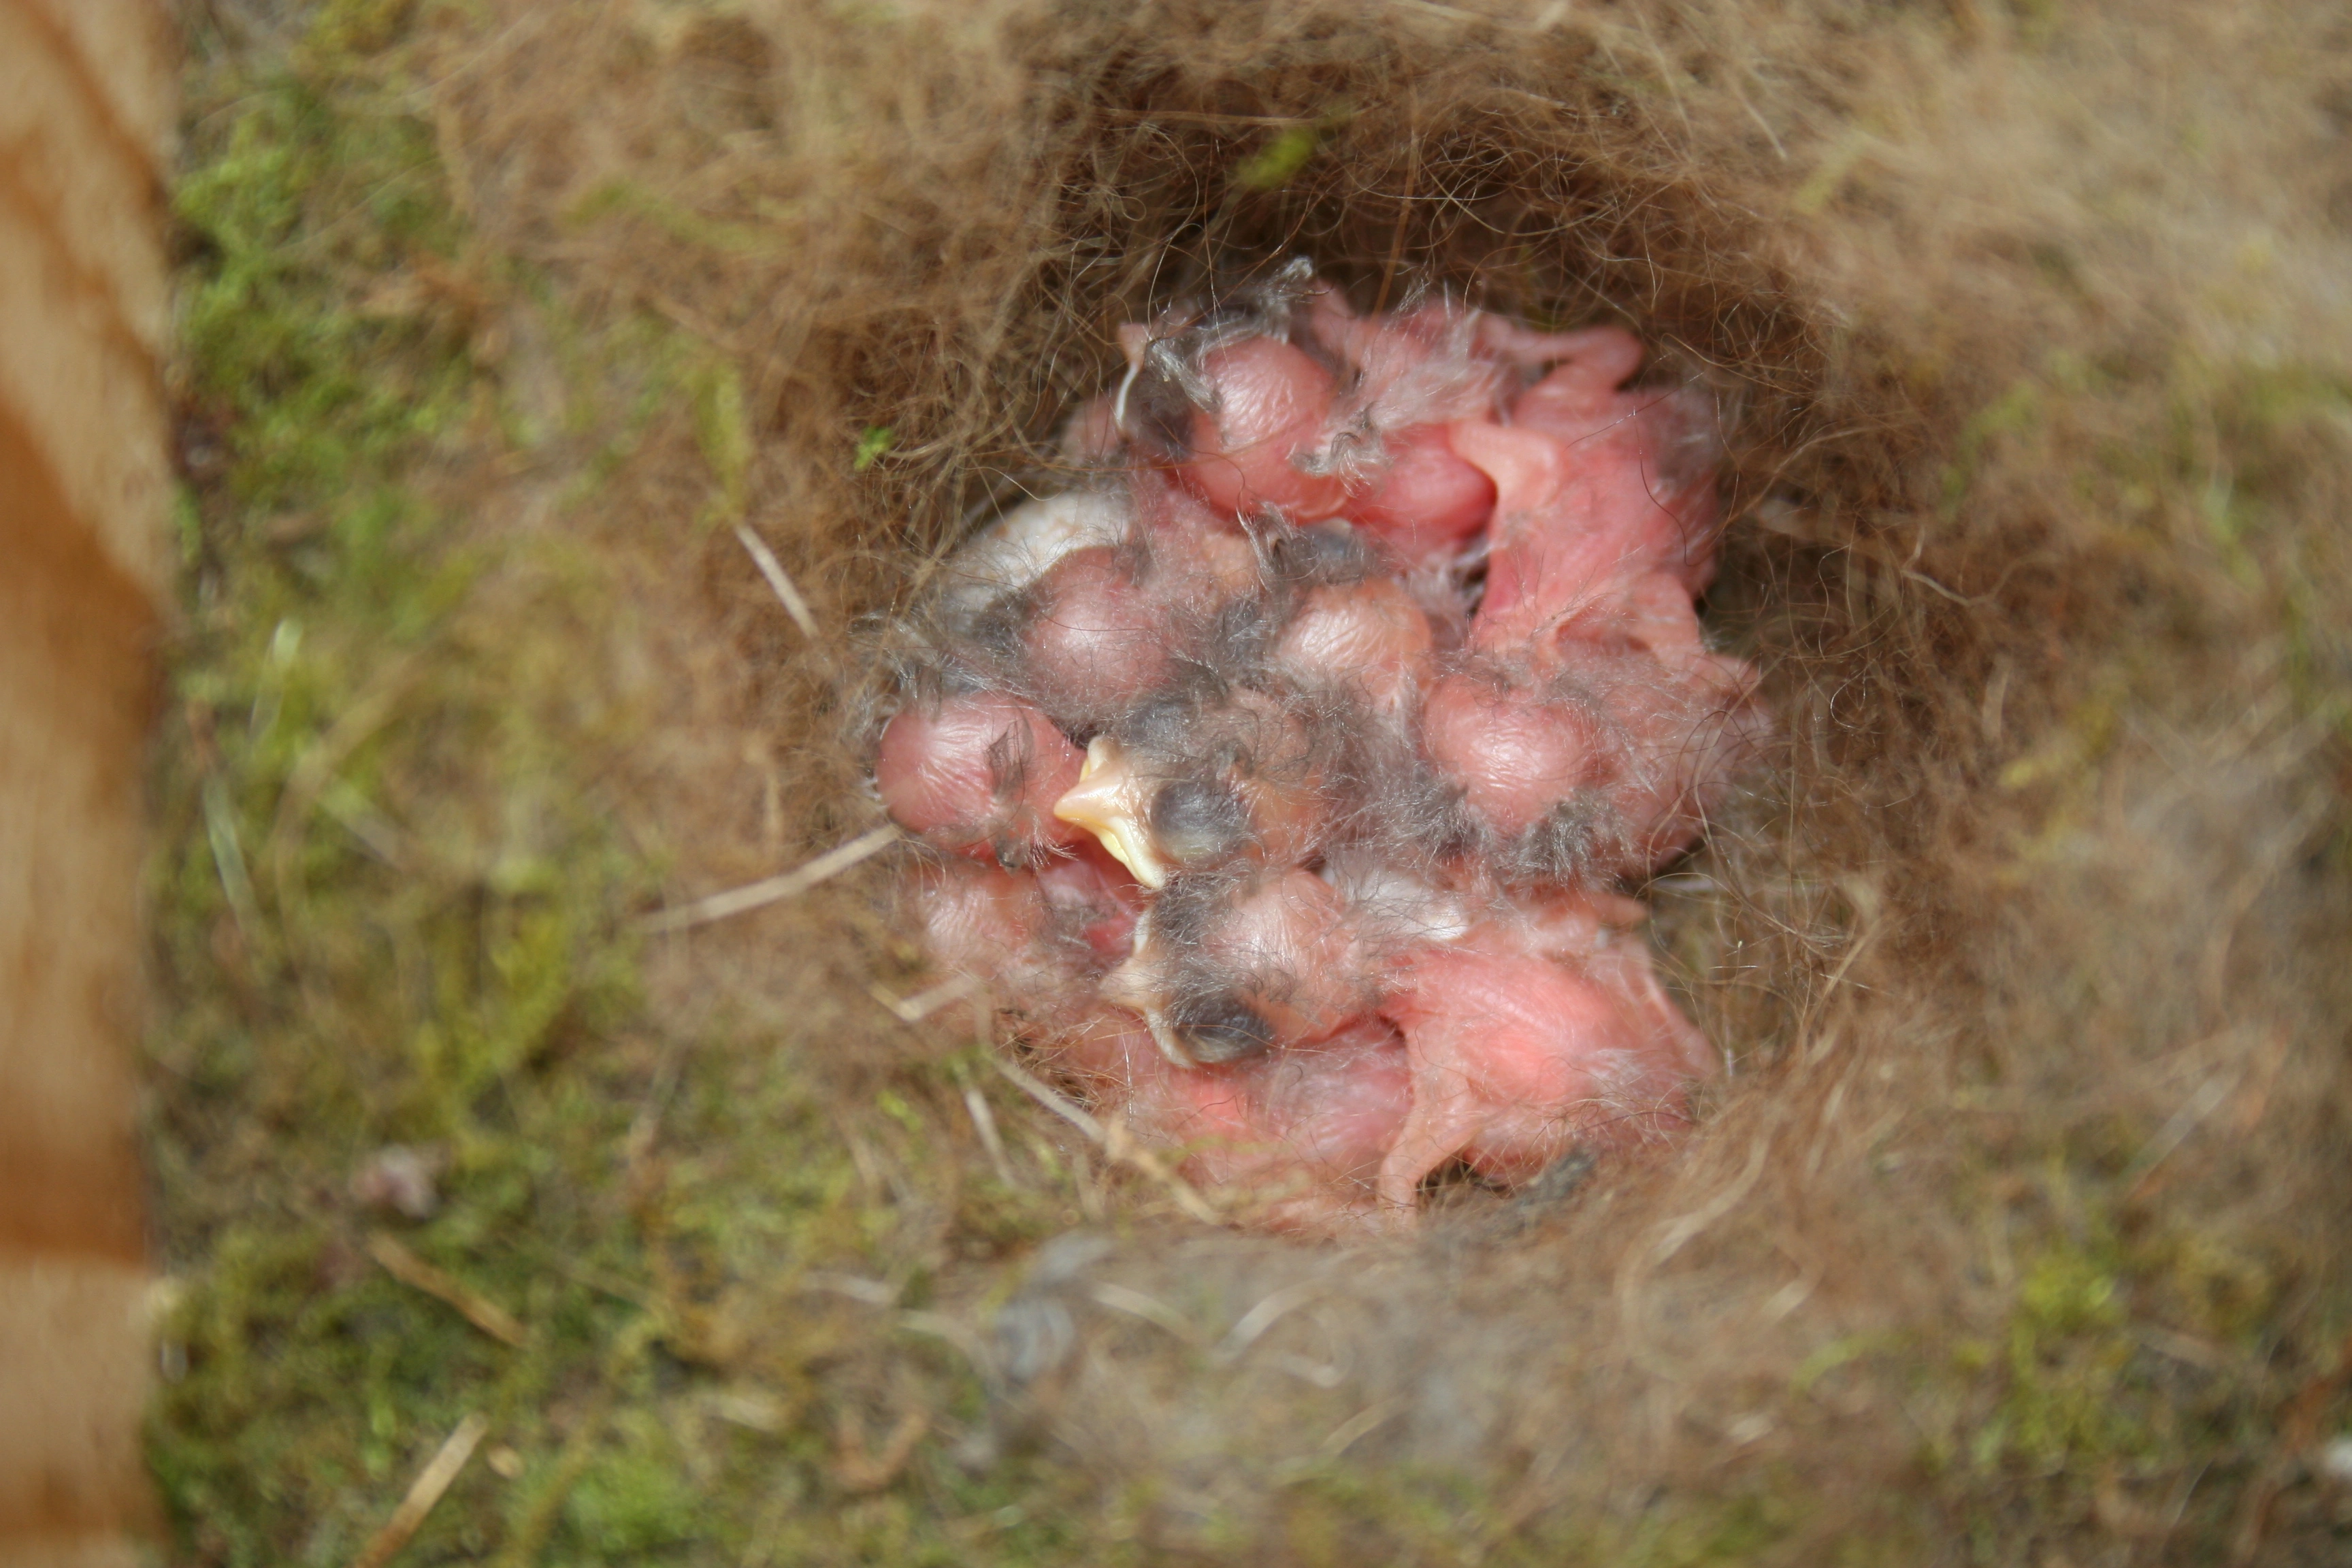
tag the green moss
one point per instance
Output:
(393, 907)
(1274, 165)
(633, 1498)
(385, 911)
(724, 430)
(872, 445)
(2066, 1360)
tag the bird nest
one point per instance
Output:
(2012, 939)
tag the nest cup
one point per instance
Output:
(1850, 935)
(2016, 940)
(1506, 171)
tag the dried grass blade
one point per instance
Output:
(773, 890)
(1114, 1140)
(1045, 1095)
(315, 769)
(1150, 1307)
(1344, 1435)
(923, 1003)
(983, 1121)
(471, 1304)
(431, 1481)
(773, 571)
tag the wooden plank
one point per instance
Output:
(86, 110)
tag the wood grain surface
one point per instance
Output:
(84, 115)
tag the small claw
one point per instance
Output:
(1112, 802)
(1139, 987)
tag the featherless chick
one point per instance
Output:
(1283, 780)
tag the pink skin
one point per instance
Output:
(1414, 372)
(1514, 755)
(1599, 359)
(1588, 365)
(1040, 938)
(1589, 492)
(1271, 403)
(1655, 615)
(1399, 1040)
(1523, 1044)
(1648, 453)
(978, 775)
(1655, 742)
(1098, 643)
(1683, 729)
(1589, 585)
(1000, 927)
(1094, 899)
(1328, 316)
(1198, 559)
(982, 920)
(1422, 366)
(1428, 502)
(1091, 439)
(1278, 771)
(1443, 362)
(1651, 614)
(1297, 956)
(1296, 1137)
(1286, 796)
(1574, 530)
(1286, 945)
(1302, 1131)
(1370, 635)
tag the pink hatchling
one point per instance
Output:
(1281, 780)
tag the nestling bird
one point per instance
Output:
(1281, 781)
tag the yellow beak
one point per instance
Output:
(1109, 801)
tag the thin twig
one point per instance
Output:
(1113, 1139)
(983, 1121)
(2176, 1132)
(773, 571)
(415, 1272)
(424, 1492)
(923, 1003)
(775, 889)
(1345, 1433)
(1044, 1094)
